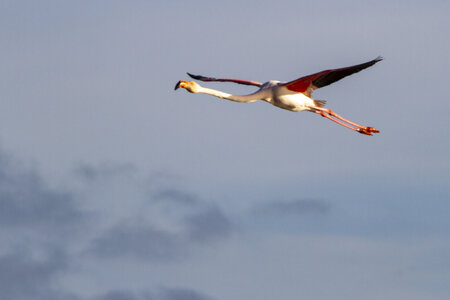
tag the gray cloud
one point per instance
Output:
(175, 195)
(294, 207)
(35, 221)
(104, 171)
(24, 277)
(166, 293)
(181, 294)
(32, 211)
(171, 223)
(148, 242)
(207, 225)
(138, 241)
(27, 202)
(204, 222)
(124, 295)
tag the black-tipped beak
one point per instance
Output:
(178, 85)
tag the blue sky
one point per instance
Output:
(114, 186)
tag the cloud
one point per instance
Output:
(27, 202)
(181, 294)
(25, 277)
(203, 221)
(141, 241)
(138, 241)
(166, 293)
(175, 195)
(294, 207)
(208, 225)
(124, 295)
(104, 171)
(37, 220)
(169, 225)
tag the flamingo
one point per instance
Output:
(294, 95)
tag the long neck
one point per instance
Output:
(244, 98)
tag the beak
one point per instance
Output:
(181, 83)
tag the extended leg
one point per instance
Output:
(329, 114)
(370, 129)
(326, 115)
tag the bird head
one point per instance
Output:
(190, 86)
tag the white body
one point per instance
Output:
(279, 96)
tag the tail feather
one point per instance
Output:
(319, 103)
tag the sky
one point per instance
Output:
(113, 186)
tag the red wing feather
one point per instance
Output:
(240, 81)
(326, 77)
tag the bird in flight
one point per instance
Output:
(294, 95)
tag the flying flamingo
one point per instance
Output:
(294, 95)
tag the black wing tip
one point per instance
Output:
(198, 77)
(177, 85)
(379, 58)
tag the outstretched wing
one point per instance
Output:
(240, 81)
(311, 82)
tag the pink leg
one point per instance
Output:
(329, 114)
(370, 129)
